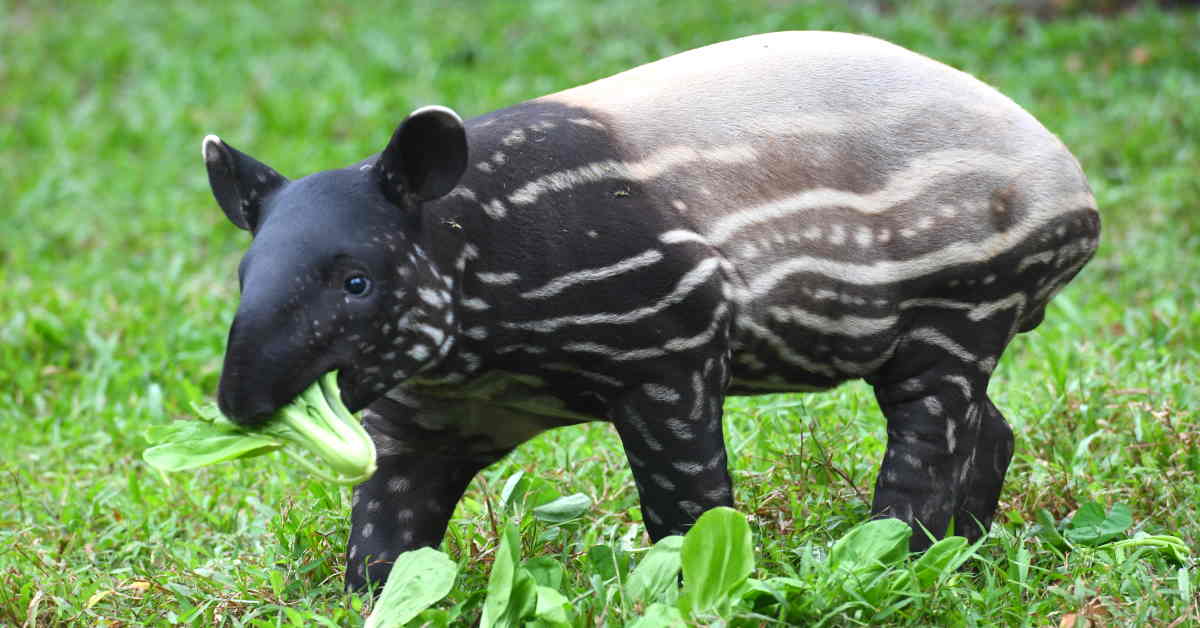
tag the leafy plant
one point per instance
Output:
(418, 580)
(316, 422)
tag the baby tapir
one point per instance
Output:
(782, 212)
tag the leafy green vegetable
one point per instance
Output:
(657, 573)
(316, 422)
(717, 557)
(418, 579)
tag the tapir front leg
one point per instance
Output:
(408, 502)
(672, 434)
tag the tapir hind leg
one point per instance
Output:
(948, 447)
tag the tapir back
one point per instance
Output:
(844, 184)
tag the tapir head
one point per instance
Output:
(336, 277)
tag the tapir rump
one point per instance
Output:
(777, 213)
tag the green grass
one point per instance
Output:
(118, 285)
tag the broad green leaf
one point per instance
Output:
(657, 573)
(1048, 529)
(551, 611)
(199, 452)
(871, 546)
(513, 491)
(502, 579)
(1091, 526)
(418, 580)
(942, 557)
(563, 509)
(546, 571)
(659, 615)
(512, 593)
(717, 557)
(603, 561)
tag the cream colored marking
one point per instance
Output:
(784, 351)
(461, 192)
(1037, 258)
(683, 288)
(569, 280)
(917, 177)
(887, 271)
(681, 235)
(673, 345)
(929, 335)
(837, 235)
(475, 303)
(484, 167)
(849, 325)
(498, 279)
(514, 138)
(587, 122)
(650, 167)
(863, 236)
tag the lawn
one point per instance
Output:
(119, 283)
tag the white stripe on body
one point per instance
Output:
(686, 285)
(561, 283)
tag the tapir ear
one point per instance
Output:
(239, 182)
(426, 156)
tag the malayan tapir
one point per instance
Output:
(777, 213)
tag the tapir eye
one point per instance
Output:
(357, 284)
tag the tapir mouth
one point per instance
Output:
(352, 397)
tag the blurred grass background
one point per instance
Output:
(118, 285)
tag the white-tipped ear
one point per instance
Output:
(426, 156)
(210, 148)
(438, 110)
(239, 182)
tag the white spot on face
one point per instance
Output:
(679, 205)
(484, 167)
(399, 484)
(476, 333)
(368, 530)
(499, 158)
(933, 406)
(925, 223)
(812, 233)
(404, 515)
(353, 551)
(418, 352)
(907, 233)
(884, 236)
